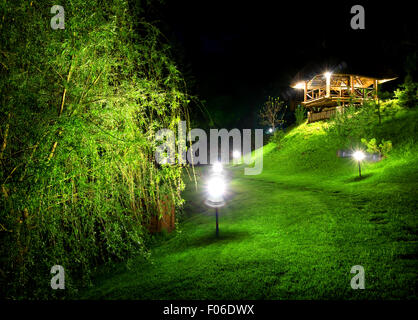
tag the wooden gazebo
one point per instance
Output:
(325, 92)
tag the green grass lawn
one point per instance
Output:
(292, 232)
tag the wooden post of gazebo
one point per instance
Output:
(375, 89)
(328, 88)
(305, 91)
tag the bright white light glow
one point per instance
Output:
(299, 85)
(217, 167)
(236, 154)
(327, 75)
(270, 130)
(216, 187)
(359, 155)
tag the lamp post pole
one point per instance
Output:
(216, 189)
(359, 169)
(217, 226)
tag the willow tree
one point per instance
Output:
(79, 110)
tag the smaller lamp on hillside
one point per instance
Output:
(217, 168)
(236, 155)
(359, 156)
(271, 130)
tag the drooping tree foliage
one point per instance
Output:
(79, 110)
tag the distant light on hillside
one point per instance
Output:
(217, 167)
(359, 155)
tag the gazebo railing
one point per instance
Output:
(357, 93)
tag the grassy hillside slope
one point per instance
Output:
(294, 231)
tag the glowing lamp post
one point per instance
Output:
(271, 130)
(215, 192)
(359, 156)
(216, 189)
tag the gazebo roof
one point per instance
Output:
(339, 80)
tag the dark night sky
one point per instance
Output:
(239, 53)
